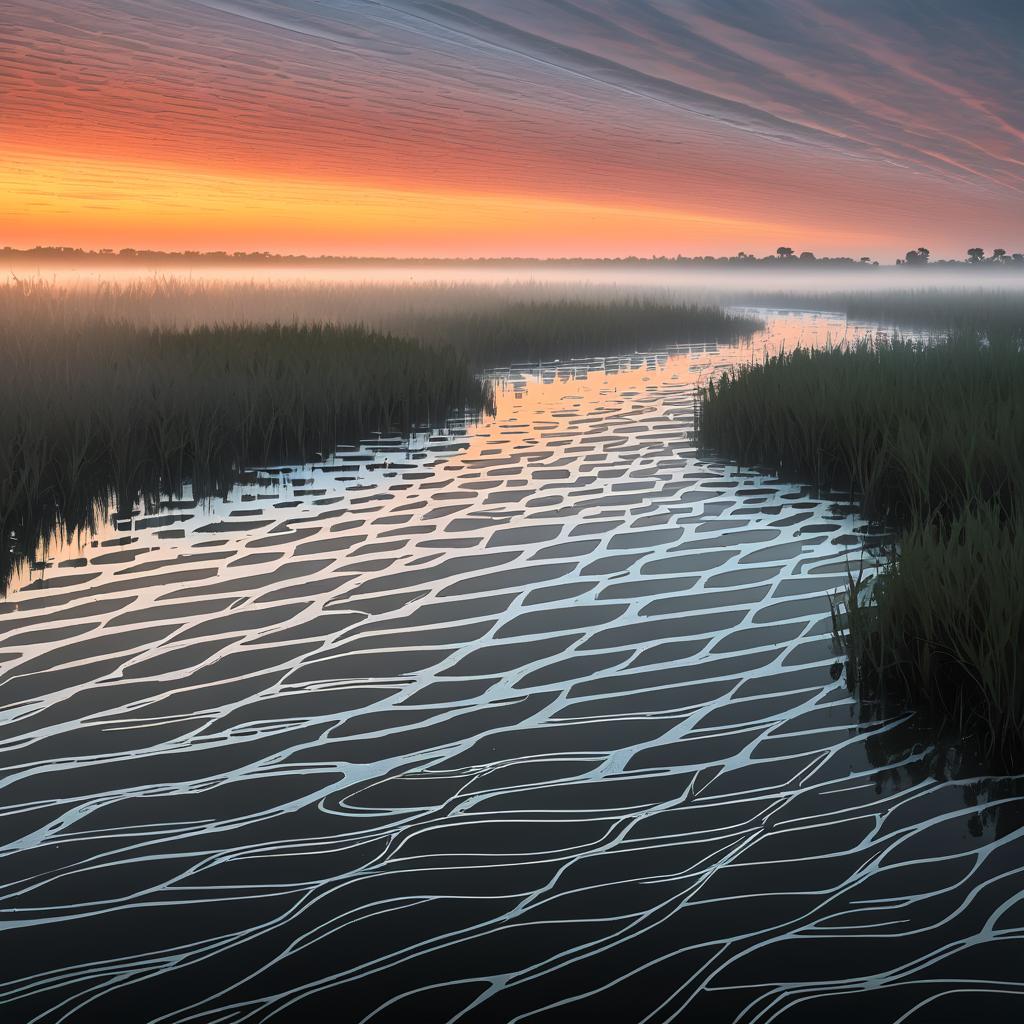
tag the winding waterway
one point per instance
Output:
(536, 719)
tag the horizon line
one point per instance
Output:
(804, 259)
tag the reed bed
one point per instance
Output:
(993, 314)
(912, 428)
(115, 391)
(929, 437)
(945, 620)
(995, 317)
(493, 324)
(568, 328)
(97, 415)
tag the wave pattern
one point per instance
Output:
(537, 723)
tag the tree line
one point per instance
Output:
(784, 255)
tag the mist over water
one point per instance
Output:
(690, 284)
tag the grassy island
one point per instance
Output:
(931, 439)
(125, 391)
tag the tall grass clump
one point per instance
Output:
(491, 324)
(946, 618)
(113, 390)
(97, 414)
(986, 316)
(567, 327)
(911, 428)
(991, 315)
(929, 438)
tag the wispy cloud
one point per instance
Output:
(902, 118)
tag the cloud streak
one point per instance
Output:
(891, 124)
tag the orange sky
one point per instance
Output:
(102, 203)
(466, 129)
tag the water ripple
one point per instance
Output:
(522, 722)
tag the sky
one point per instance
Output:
(513, 127)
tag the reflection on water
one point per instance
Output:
(534, 721)
(233, 503)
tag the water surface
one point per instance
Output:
(533, 719)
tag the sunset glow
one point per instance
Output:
(472, 129)
(511, 511)
(113, 205)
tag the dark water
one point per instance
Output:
(536, 722)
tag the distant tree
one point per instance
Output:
(807, 257)
(998, 255)
(1018, 257)
(784, 252)
(918, 257)
(865, 259)
(975, 255)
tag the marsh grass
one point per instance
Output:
(98, 415)
(946, 619)
(566, 328)
(113, 392)
(911, 428)
(492, 324)
(931, 438)
(993, 315)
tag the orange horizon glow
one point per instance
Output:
(47, 199)
(479, 128)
